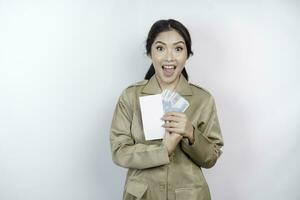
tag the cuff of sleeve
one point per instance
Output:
(202, 152)
(200, 142)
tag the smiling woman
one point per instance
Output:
(168, 54)
(176, 48)
(169, 168)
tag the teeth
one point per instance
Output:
(169, 66)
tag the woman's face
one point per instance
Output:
(168, 54)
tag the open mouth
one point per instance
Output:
(168, 70)
(169, 67)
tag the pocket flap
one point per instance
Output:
(185, 193)
(136, 188)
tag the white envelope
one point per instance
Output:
(152, 111)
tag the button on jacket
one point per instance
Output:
(152, 173)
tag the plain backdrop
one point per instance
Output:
(63, 65)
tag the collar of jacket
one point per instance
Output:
(182, 88)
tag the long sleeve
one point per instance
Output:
(126, 152)
(206, 148)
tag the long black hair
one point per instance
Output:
(162, 26)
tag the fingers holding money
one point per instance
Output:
(177, 122)
(179, 131)
(175, 127)
(174, 117)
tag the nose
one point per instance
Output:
(170, 56)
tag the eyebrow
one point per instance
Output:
(173, 43)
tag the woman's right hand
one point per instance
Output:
(171, 140)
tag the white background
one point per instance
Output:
(63, 65)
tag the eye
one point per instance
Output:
(159, 48)
(178, 49)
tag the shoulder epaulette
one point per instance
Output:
(201, 88)
(143, 82)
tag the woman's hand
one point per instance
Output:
(177, 122)
(171, 140)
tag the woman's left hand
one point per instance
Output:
(177, 122)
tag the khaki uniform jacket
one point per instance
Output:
(152, 174)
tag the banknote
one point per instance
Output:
(173, 102)
(181, 105)
(153, 107)
(167, 106)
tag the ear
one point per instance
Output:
(149, 55)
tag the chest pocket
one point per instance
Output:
(193, 193)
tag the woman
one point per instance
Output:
(169, 168)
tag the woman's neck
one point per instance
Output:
(165, 86)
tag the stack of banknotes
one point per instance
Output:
(154, 106)
(173, 102)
